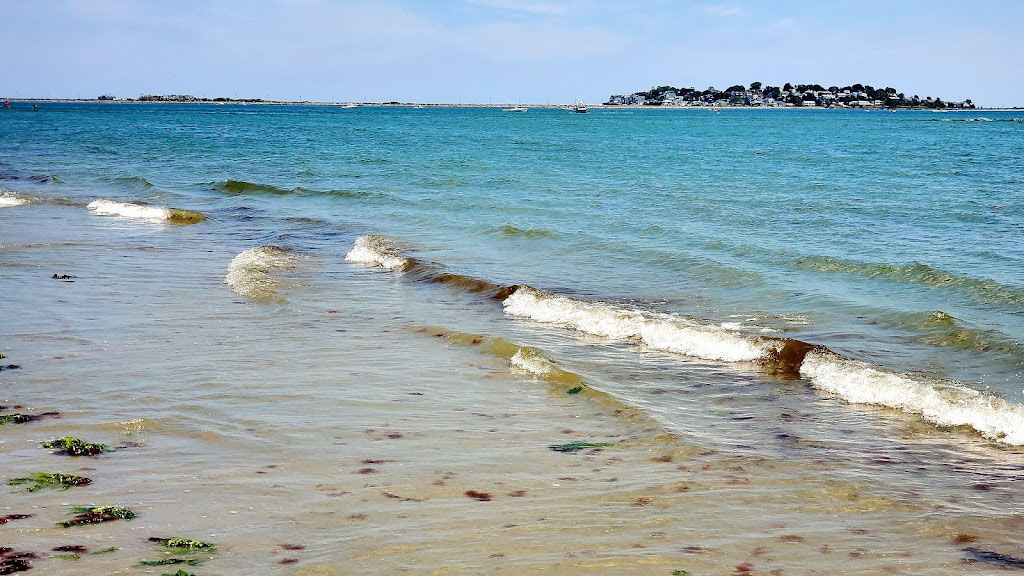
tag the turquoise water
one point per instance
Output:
(799, 331)
(889, 237)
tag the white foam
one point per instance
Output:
(658, 331)
(532, 361)
(249, 273)
(10, 200)
(941, 403)
(378, 251)
(127, 210)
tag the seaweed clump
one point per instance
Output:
(578, 445)
(172, 562)
(57, 480)
(25, 418)
(75, 447)
(9, 517)
(11, 561)
(184, 543)
(97, 515)
(178, 573)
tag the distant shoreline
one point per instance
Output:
(474, 105)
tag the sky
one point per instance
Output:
(504, 51)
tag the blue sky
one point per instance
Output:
(531, 51)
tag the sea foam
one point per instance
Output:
(936, 401)
(942, 403)
(378, 251)
(249, 273)
(10, 200)
(663, 332)
(129, 210)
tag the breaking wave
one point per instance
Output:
(249, 273)
(10, 200)
(378, 251)
(942, 403)
(920, 274)
(658, 331)
(939, 402)
(128, 210)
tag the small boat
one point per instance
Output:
(7, 103)
(349, 105)
(515, 109)
(579, 107)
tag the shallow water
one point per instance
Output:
(296, 398)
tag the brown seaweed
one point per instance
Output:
(10, 517)
(11, 561)
(481, 496)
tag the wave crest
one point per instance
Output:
(249, 273)
(379, 251)
(129, 210)
(663, 332)
(509, 231)
(942, 403)
(920, 274)
(10, 200)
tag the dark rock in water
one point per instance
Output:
(994, 558)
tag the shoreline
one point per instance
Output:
(599, 106)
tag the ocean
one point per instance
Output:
(457, 340)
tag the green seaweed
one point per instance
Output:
(186, 543)
(577, 446)
(76, 447)
(172, 562)
(574, 390)
(178, 573)
(680, 573)
(69, 556)
(97, 515)
(105, 550)
(42, 480)
(25, 418)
